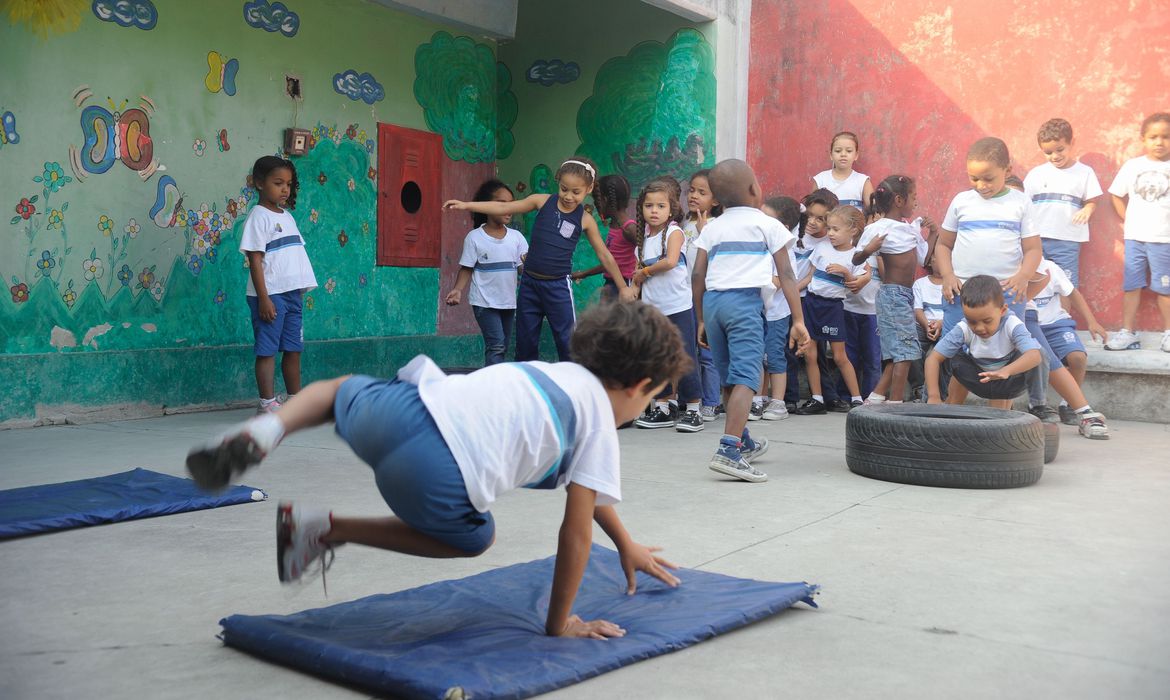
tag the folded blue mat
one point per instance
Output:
(138, 493)
(485, 634)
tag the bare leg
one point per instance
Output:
(882, 388)
(1129, 308)
(811, 368)
(779, 384)
(1005, 404)
(1067, 387)
(1078, 363)
(956, 393)
(265, 376)
(310, 407)
(393, 534)
(290, 369)
(897, 372)
(846, 368)
(1164, 307)
(737, 401)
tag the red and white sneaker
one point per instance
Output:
(298, 542)
(1093, 426)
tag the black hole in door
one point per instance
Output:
(411, 197)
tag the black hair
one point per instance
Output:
(614, 191)
(990, 149)
(716, 208)
(1055, 130)
(671, 189)
(820, 196)
(1155, 118)
(787, 210)
(264, 166)
(1014, 181)
(981, 290)
(624, 343)
(484, 194)
(580, 166)
(886, 193)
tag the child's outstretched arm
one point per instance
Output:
(1082, 307)
(573, 544)
(521, 206)
(625, 292)
(635, 557)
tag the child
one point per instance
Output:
(279, 274)
(830, 268)
(777, 319)
(1063, 193)
(989, 349)
(612, 196)
(897, 242)
(545, 289)
(850, 186)
(731, 272)
(1147, 229)
(662, 279)
(550, 426)
(701, 208)
(928, 314)
(862, 345)
(491, 254)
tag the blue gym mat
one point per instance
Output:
(138, 493)
(485, 634)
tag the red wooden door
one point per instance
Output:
(410, 177)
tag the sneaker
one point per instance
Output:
(720, 410)
(658, 419)
(1127, 340)
(298, 541)
(753, 448)
(689, 422)
(1093, 426)
(1046, 413)
(839, 406)
(756, 412)
(791, 406)
(1067, 416)
(810, 407)
(708, 413)
(1165, 342)
(213, 464)
(854, 404)
(775, 410)
(730, 462)
(270, 407)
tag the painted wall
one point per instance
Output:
(126, 249)
(920, 81)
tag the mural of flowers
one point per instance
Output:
(313, 215)
(56, 218)
(69, 296)
(363, 280)
(211, 255)
(371, 173)
(132, 228)
(19, 291)
(105, 224)
(233, 206)
(25, 209)
(146, 278)
(322, 179)
(309, 303)
(46, 264)
(125, 275)
(199, 147)
(330, 285)
(342, 238)
(92, 267)
(351, 132)
(195, 265)
(370, 146)
(53, 178)
(220, 297)
(156, 290)
(351, 184)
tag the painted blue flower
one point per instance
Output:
(46, 263)
(369, 145)
(219, 297)
(125, 275)
(53, 178)
(195, 264)
(211, 254)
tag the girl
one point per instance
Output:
(491, 254)
(850, 186)
(777, 318)
(279, 274)
(545, 289)
(612, 195)
(831, 269)
(701, 208)
(662, 279)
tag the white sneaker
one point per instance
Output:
(1093, 426)
(775, 410)
(298, 541)
(708, 413)
(1166, 342)
(213, 464)
(1125, 339)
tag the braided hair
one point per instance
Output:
(614, 192)
(886, 193)
(671, 190)
(820, 196)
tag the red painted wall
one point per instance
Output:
(460, 181)
(920, 80)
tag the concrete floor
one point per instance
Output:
(1056, 590)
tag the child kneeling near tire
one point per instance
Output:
(989, 350)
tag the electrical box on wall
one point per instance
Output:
(296, 141)
(410, 177)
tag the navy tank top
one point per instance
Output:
(554, 237)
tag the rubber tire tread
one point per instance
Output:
(1051, 441)
(972, 447)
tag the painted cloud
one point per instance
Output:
(549, 73)
(358, 87)
(127, 13)
(271, 17)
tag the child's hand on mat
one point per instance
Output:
(985, 377)
(266, 309)
(593, 629)
(639, 557)
(950, 287)
(454, 204)
(454, 297)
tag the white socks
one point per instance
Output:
(818, 397)
(267, 431)
(875, 397)
(693, 406)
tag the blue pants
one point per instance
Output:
(1038, 376)
(537, 300)
(496, 327)
(864, 351)
(709, 378)
(689, 386)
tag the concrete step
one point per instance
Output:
(1129, 384)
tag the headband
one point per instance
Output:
(588, 167)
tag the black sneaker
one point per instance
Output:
(1046, 414)
(855, 403)
(720, 410)
(689, 422)
(839, 406)
(756, 412)
(791, 406)
(811, 407)
(658, 419)
(1067, 416)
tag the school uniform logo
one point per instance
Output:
(278, 228)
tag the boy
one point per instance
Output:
(1062, 194)
(732, 269)
(444, 448)
(989, 350)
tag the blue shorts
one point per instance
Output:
(734, 320)
(824, 318)
(386, 424)
(1066, 255)
(897, 328)
(285, 333)
(775, 344)
(1062, 337)
(1032, 322)
(1147, 265)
